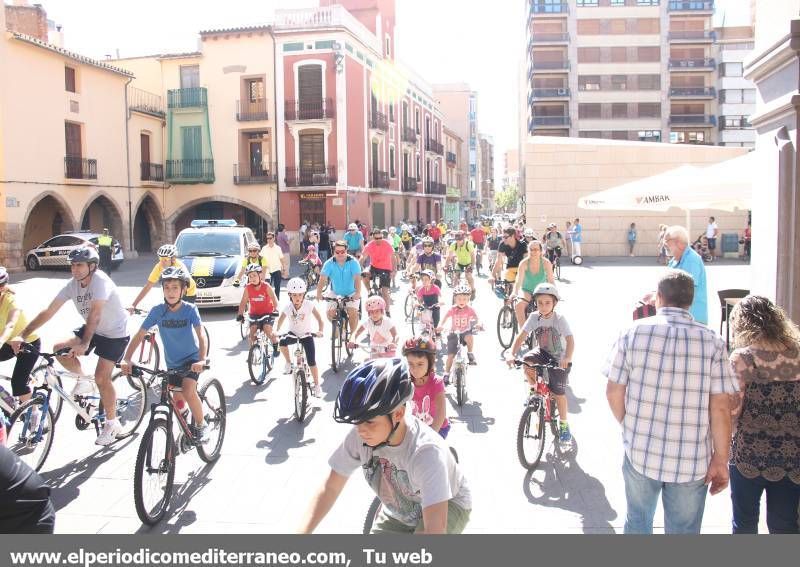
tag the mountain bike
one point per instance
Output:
(32, 425)
(460, 365)
(301, 377)
(154, 471)
(340, 332)
(422, 323)
(506, 318)
(555, 258)
(540, 409)
(260, 356)
(310, 275)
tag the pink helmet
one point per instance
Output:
(375, 303)
(311, 248)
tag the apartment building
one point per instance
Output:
(454, 180)
(736, 94)
(486, 170)
(622, 69)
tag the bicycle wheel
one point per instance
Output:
(408, 307)
(154, 472)
(300, 395)
(212, 397)
(460, 379)
(257, 363)
(346, 340)
(415, 322)
(450, 278)
(530, 436)
(372, 514)
(554, 425)
(336, 345)
(243, 328)
(31, 440)
(208, 340)
(131, 394)
(39, 383)
(506, 326)
(148, 355)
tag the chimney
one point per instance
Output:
(21, 17)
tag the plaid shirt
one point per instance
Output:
(670, 365)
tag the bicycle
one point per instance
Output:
(260, 355)
(311, 276)
(540, 408)
(460, 364)
(506, 318)
(340, 332)
(34, 422)
(154, 471)
(375, 351)
(301, 377)
(422, 323)
(555, 258)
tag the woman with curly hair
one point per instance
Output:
(765, 452)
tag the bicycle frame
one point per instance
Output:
(165, 406)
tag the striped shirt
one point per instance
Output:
(670, 365)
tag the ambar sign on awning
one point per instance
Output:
(651, 199)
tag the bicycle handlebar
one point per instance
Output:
(27, 348)
(520, 362)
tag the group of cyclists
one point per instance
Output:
(374, 394)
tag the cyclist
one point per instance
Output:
(253, 257)
(554, 242)
(301, 313)
(428, 295)
(166, 258)
(263, 304)
(397, 246)
(344, 273)
(533, 270)
(406, 238)
(462, 254)
(354, 239)
(435, 233)
(554, 337)
(427, 260)
(478, 237)
(410, 468)
(184, 343)
(511, 252)
(493, 242)
(12, 321)
(430, 405)
(381, 330)
(105, 330)
(462, 316)
(380, 254)
(312, 258)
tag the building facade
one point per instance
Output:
(486, 170)
(736, 95)
(454, 179)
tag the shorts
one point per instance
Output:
(407, 245)
(23, 366)
(452, 343)
(464, 268)
(330, 297)
(558, 380)
(479, 245)
(181, 373)
(510, 275)
(261, 320)
(712, 243)
(457, 519)
(308, 346)
(384, 276)
(104, 347)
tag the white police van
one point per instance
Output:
(213, 251)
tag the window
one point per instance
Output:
(388, 48)
(647, 2)
(587, 3)
(648, 54)
(649, 110)
(391, 112)
(392, 172)
(255, 89)
(749, 96)
(590, 134)
(647, 25)
(619, 110)
(326, 44)
(588, 83)
(69, 79)
(312, 152)
(619, 54)
(730, 70)
(588, 55)
(619, 82)
(648, 82)
(190, 76)
(589, 110)
(296, 46)
(688, 137)
(619, 135)
(649, 135)
(419, 169)
(416, 120)
(589, 27)
(731, 95)
(617, 2)
(616, 26)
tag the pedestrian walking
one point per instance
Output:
(765, 452)
(568, 238)
(283, 240)
(746, 240)
(662, 245)
(577, 238)
(277, 263)
(104, 249)
(669, 386)
(324, 242)
(685, 258)
(631, 238)
(712, 232)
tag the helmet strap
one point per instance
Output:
(88, 275)
(389, 437)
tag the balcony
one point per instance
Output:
(254, 174)
(693, 6)
(539, 94)
(705, 64)
(547, 39)
(249, 110)
(190, 171)
(409, 185)
(151, 171)
(379, 179)
(143, 101)
(434, 188)
(542, 9)
(311, 177)
(409, 135)
(434, 146)
(453, 193)
(320, 109)
(196, 97)
(692, 119)
(451, 158)
(76, 167)
(547, 67)
(734, 123)
(549, 122)
(688, 36)
(378, 121)
(692, 92)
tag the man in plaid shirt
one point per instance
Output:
(669, 383)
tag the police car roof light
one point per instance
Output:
(204, 223)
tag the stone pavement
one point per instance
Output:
(271, 464)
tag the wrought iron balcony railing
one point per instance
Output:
(434, 188)
(704, 63)
(451, 158)
(143, 101)
(378, 121)
(188, 98)
(319, 109)
(692, 119)
(151, 171)
(409, 185)
(311, 176)
(379, 179)
(691, 6)
(693, 35)
(434, 146)
(253, 174)
(190, 170)
(76, 167)
(693, 92)
(248, 110)
(409, 135)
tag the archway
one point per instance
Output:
(148, 226)
(224, 208)
(47, 217)
(102, 213)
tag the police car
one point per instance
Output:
(213, 251)
(55, 251)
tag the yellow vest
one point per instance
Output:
(104, 241)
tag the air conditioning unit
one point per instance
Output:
(562, 92)
(319, 179)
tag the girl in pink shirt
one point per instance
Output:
(463, 317)
(429, 400)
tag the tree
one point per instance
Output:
(507, 199)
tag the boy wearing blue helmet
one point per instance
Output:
(407, 464)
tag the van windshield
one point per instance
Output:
(209, 244)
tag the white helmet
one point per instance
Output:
(545, 288)
(405, 228)
(167, 251)
(352, 226)
(529, 233)
(462, 289)
(392, 229)
(296, 285)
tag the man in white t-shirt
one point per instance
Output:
(106, 330)
(712, 232)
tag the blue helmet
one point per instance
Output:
(373, 389)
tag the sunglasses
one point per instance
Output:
(270, 238)
(340, 252)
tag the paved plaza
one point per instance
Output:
(270, 464)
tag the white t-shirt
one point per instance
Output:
(380, 334)
(113, 319)
(301, 321)
(711, 229)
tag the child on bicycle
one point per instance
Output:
(301, 313)
(463, 317)
(430, 405)
(411, 469)
(554, 337)
(381, 330)
(428, 295)
(312, 258)
(184, 343)
(263, 304)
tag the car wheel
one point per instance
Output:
(32, 263)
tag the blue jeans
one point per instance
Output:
(684, 503)
(783, 497)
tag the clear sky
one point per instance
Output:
(477, 42)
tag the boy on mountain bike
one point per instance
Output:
(301, 314)
(463, 317)
(381, 330)
(553, 337)
(184, 343)
(263, 303)
(430, 405)
(411, 469)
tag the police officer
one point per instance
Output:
(104, 243)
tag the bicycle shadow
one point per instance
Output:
(286, 435)
(67, 479)
(470, 413)
(181, 497)
(565, 485)
(332, 383)
(245, 394)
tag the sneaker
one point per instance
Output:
(275, 350)
(199, 434)
(317, 391)
(446, 378)
(471, 358)
(287, 369)
(109, 433)
(565, 436)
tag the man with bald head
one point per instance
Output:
(686, 259)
